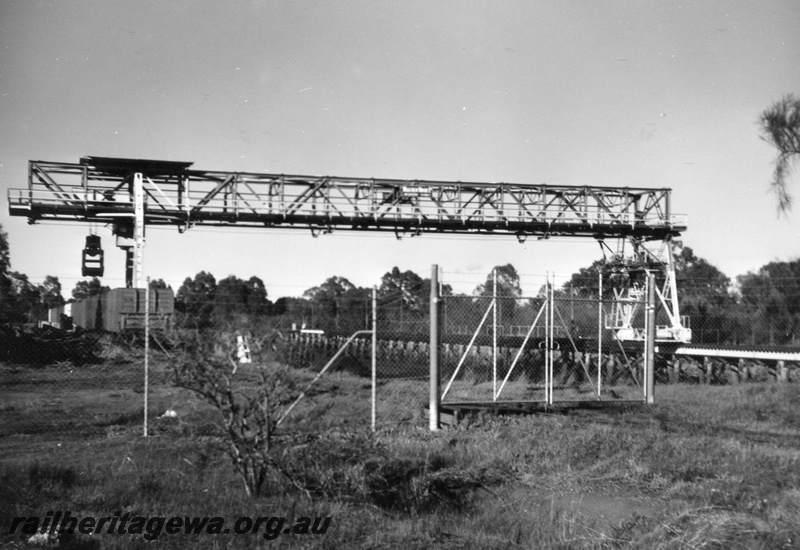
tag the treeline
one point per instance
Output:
(20, 300)
(336, 306)
(758, 308)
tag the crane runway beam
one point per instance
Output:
(100, 189)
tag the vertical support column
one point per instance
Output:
(650, 340)
(374, 357)
(435, 350)
(138, 231)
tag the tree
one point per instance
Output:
(50, 292)
(332, 287)
(509, 290)
(326, 302)
(158, 284)
(234, 295)
(404, 296)
(771, 297)
(508, 283)
(257, 301)
(230, 296)
(5, 259)
(780, 126)
(584, 282)
(404, 286)
(85, 289)
(338, 306)
(19, 298)
(298, 310)
(23, 298)
(195, 297)
(705, 295)
(5, 282)
(696, 276)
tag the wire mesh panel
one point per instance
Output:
(554, 347)
(89, 383)
(401, 351)
(492, 349)
(403, 355)
(590, 360)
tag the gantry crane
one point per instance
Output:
(130, 194)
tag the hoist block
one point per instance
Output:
(92, 265)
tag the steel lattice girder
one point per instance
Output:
(100, 190)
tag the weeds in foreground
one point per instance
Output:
(249, 400)
(707, 467)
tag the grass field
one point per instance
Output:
(706, 467)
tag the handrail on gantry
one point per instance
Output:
(99, 189)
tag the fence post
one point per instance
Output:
(146, 347)
(494, 335)
(374, 356)
(434, 350)
(650, 340)
(599, 332)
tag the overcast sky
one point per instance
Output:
(633, 93)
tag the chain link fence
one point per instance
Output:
(508, 348)
(512, 349)
(80, 384)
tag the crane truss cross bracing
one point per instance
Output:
(102, 190)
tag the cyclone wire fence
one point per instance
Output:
(758, 316)
(552, 347)
(81, 382)
(60, 381)
(401, 351)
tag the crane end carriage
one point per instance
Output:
(629, 295)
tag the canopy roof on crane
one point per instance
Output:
(125, 166)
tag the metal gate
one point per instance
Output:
(557, 347)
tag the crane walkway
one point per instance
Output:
(101, 189)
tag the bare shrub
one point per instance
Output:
(249, 399)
